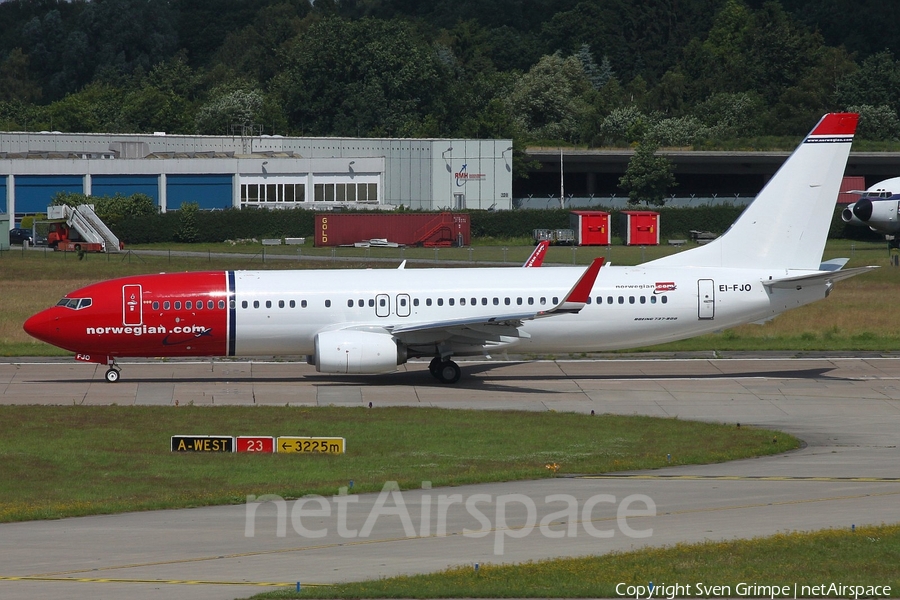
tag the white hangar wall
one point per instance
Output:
(256, 172)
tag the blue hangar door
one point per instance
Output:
(209, 191)
(126, 185)
(34, 192)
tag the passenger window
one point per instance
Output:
(292, 304)
(599, 299)
(211, 305)
(440, 301)
(609, 299)
(230, 304)
(256, 304)
(222, 304)
(630, 299)
(200, 305)
(427, 301)
(166, 305)
(462, 301)
(415, 301)
(156, 305)
(519, 301)
(496, 301)
(543, 300)
(484, 301)
(328, 304)
(361, 303)
(664, 299)
(402, 301)
(474, 301)
(371, 303)
(268, 304)
(643, 299)
(281, 304)
(530, 300)
(506, 301)
(244, 304)
(621, 299)
(555, 300)
(652, 299)
(451, 302)
(382, 302)
(188, 305)
(177, 305)
(349, 303)
(303, 304)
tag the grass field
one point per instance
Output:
(78, 460)
(866, 557)
(858, 316)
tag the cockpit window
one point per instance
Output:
(75, 303)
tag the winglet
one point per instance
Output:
(580, 292)
(537, 257)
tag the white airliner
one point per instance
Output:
(878, 208)
(372, 321)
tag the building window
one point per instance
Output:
(254, 193)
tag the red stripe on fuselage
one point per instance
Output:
(164, 326)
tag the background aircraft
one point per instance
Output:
(877, 209)
(372, 321)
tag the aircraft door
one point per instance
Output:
(132, 305)
(707, 297)
(403, 305)
(382, 305)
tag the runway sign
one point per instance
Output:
(311, 445)
(255, 443)
(202, 443)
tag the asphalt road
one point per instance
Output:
(847, 410)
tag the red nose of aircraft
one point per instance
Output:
(40, 326)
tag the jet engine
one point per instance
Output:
(879, 215)
(357, 352)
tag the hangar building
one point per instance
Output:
(255, 171)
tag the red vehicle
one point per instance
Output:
(59, 239)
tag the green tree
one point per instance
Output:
(229, 107)
(876, 83)
(187, 231)
(366, 77)
(16, 82)
(648, 176)
(552, 100)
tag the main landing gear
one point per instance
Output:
(445, 371)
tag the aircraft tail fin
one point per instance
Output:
(787, 224)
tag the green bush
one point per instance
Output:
(233, 224)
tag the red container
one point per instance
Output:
(851, 183)
(641, 227)
(407, 229)
(591, 227)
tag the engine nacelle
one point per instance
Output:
(358, 352)
(879, 215)
(847, 216)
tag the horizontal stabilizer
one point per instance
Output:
(819, 278)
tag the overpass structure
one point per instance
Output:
(597, 171)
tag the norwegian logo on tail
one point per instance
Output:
(786, 226)
(537, 256)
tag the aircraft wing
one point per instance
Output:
(818, 278)
(490, 327)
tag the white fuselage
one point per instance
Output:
(280, 312)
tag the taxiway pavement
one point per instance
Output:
(847, 410)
